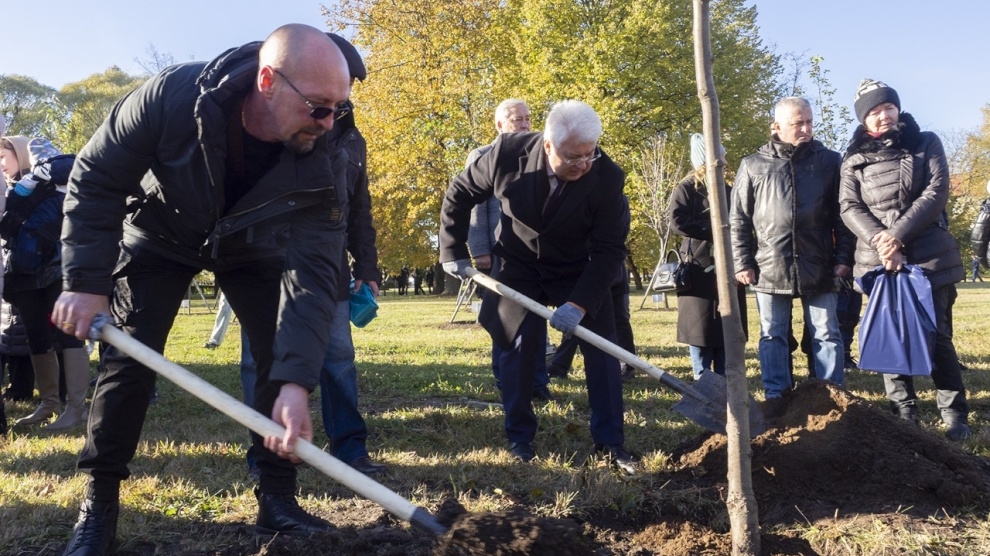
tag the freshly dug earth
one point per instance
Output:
(832, 456)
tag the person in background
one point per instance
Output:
(224, 315)
(789, 242)
(235, 175)
(33, 286)
(511, 116)
(559, 245)
(3, 360)
(895, 186)
(699, 323)
(974, 265)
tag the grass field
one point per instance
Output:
(424, 385)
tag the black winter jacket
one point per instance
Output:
(900, 183)
(785, 219)
(361, 233)
(157, 165)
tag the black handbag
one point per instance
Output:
(672, 276)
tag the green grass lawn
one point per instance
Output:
(421, 381)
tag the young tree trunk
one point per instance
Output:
(740, 501)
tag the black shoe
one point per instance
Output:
(908, 413)
(619, 456)
(365, 465)
(523, 451)
(556, 371)
(154, 397)
(774, 410)
(211, 345)
(281, 514)
(851, 364)
(958, 431)
(96, 530)
(254, 475)
(542, 393)
(627, 372)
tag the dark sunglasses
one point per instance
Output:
(319, 112)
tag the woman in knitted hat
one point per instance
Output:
(698, 322)
(895, 185)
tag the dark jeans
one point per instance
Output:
(147, 294)
(950, 394)
(343, 423)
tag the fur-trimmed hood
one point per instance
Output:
(905, 136)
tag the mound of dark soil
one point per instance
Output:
(832, 453)
(509, 533)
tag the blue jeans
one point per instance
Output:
(707, 359)
(249, 374)
(774, 351)
(342, 421)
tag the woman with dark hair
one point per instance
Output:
(895, 185)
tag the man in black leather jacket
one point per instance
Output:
(232, 172)
(788, 241)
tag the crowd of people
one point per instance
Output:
(251, 166)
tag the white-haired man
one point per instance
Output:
(559, 244)
(511, 116)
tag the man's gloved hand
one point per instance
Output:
(457, 268)
(566, 318)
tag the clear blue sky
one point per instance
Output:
(934, 54)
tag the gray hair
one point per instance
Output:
(786, 104)
(572, 119)
(502, 110)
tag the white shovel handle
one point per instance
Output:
(233, 408)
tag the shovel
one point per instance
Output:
(351, 478)
(703, 402)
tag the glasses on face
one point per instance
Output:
(320, 112)
(583, 159)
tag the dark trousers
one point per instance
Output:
(564, 356)
(35, 307)
(602, 378)
(147, 294)
(950, 392)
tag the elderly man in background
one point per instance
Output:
(558, 244)
(511, 116)
(788, 241)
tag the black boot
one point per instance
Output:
(96, 530)
(908, 412)
(3, 418)
(281, 514)
(956, 425)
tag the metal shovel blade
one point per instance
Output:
(705, 403)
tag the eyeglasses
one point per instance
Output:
(589, 159)
(320, 112)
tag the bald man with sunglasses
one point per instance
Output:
(223, 166)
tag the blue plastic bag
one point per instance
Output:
(897, 333)
(363, 306)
